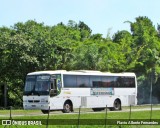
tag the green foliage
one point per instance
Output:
(32, 46)
(146, 44)
(86, 56)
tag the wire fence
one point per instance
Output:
(107, 122)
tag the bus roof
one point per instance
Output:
(47, 72)
(82, 72)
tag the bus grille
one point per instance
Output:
(33, 101)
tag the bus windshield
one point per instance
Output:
(37, 85)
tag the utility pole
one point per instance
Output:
(5, 95)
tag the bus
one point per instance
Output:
(66, 90)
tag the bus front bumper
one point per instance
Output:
(35, 106)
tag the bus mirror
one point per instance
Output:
(53, 92)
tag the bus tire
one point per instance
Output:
(45, 111)
(116, 105)
(67, 107)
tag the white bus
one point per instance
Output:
(66, 90)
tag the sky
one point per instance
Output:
(102, 16)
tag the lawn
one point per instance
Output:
(96, 120)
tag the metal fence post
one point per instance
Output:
(130, 113)
(79, 117)
(151, 94)
(48, 118)
(106, 117)
(10, 118)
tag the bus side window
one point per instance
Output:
(95, 81)
(53, 90)
(53, 84)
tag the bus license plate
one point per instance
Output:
(33, 105)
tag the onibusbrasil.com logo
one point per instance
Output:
(21, 122)
(80, 121)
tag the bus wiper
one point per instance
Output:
(29, 93)
(35, 92)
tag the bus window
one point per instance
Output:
(107, 81)
(82, 81)
(30, 83)
(45, 86)
(70, 81)
(119, 81)
(129, 82)
(132, 82)
(95, 81)
(125, 82)
(53, 90)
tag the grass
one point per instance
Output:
(33, 112)
(99, 117)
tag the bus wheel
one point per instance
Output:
(45, 111)
(67, 108)
(117, 105)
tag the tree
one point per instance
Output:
(145, 44)
(86, 56)
(85, 30)
(32, 46)
(111, 57)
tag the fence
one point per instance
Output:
(80, 123)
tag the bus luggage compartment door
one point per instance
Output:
(131, 100)
(84, 101)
